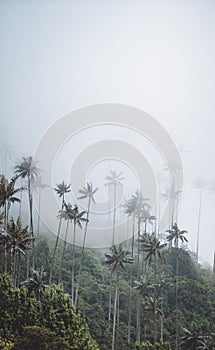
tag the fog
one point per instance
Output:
(158, 56)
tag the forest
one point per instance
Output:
(149, 292)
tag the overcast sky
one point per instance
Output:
(57, 56)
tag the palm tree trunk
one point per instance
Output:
(115, 310)
(55, 250)
(114, 215)
(176, 297)
(130, 283)
(138, 301)
(64, 249)
(82, 255)
(73, 261)
(110, 298)
(198, 229)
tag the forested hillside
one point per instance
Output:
(146, 293)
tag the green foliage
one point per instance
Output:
(53, 310)
(39, 338)
(148, 346)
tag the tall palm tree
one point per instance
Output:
(86, 193)
(114, 180)
(171, 194)
(7, 196)
(78, 219)
(66, 214)
(141, 212)
(130, 207)
(153, 249)
(28, 169)
(200, 184)
(61, 189)
(116, 260)
(38, 185)
(176, 235)
(20, 241)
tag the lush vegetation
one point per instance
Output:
(148, 293)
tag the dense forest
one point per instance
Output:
(149, 292)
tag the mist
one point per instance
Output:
(57, 57)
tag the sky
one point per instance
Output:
(158, 56)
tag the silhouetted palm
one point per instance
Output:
(114, 180)
(200, 184)
(86, 193)
(78, 219)
(116, 260)
(61, 189)
(176, 235)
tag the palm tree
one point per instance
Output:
(86, 193)
(114, 180)
(20, 241)
(66, 214)
(116, 260)
(176, 235)
(192, 339)
(28, 169)
(171, 194)
(36, 283)
(38, 185)
(130, 207)
(61, 189)
(153, 248)
(77, 218)
(7, 196)
(200, 184)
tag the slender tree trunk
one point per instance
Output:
(138, 301)
(38, 218)
(114, 215)
(115, 310)
(130, 283)
(198, 228)
(176, 297)
(82, 255)
(55, 250)
(110, 298)
(64, 249)
(73, 261)
(5, 244)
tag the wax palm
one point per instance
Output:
(19, 241)
(114, 180)
(78, 219)
(201, 185)
(176, 235)
(137, 203)
(8, 194)
(86, 193)
(129, 210)
(117, 260)
(36, 284)
(171, 194)
(28, 169)
(38, 185)
(67, 215)
(61, 189)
